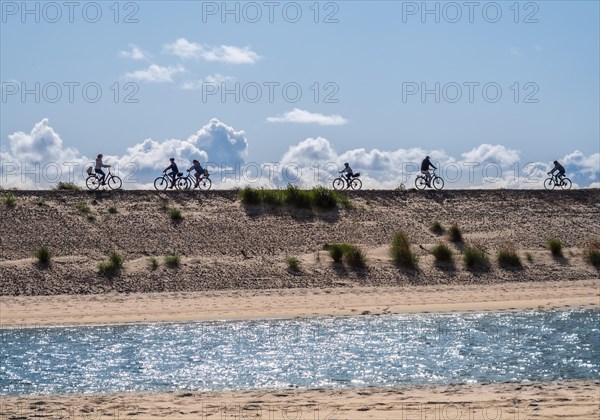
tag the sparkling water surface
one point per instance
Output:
(388, 350)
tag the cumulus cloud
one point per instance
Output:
(134, 53)
(486, 153)
(156, 74)
(229, 54)
(586, 165)
(301, 116)
(213, 78)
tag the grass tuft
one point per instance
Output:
(67, 186)
(112, 210)
(293, 263)
(475, 258)
(337, 251)
(172, 260)
(82, 207)
(591, 252)
(455, 234)
(9, 200)
(154, 263)
(508, 257)
(529, 257)
(436, 227)
(113, 266)
(41, 202)
(442, 252)
(175, 214)
(355, 257)
(555, 246)
(401, 252)
(43, 255)
(318, 197)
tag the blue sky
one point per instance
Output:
(371, 56)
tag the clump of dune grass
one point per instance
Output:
(355, 257)
(154, 263)
(172, 260)
(91, 218)
(113, 266)
(112, 210)
(9, 200)
(82, 207)
(475, 258)
(293, 263)
(555, 246)
(455, 234)
(508, 257)
(442, 252)
(529, 256)
(67, 186)
(317, 197)
(401, 252)
(436, 227)
(337, 251)
(591, 252)
(41, 202)
(163, 204)
(175, 214)
(43, 256)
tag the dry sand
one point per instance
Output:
(553, 400)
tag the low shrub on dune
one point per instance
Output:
(442, 252)
(113, 266)
(455, 234)
(401, 253)
(475, 258)
(591, 252)
(555, 246)
(508, 257)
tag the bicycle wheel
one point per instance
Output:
(181, 184)
(161, 183)
(549, 184)
(114, 182)
(566, 184)
(438, 183)
(420, 183)
(339, 184)
(92, 182)
(356, 184)
(205, 184)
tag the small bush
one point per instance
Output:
(529, 256)
(296, 197)
(355, 257)
(9, 200)
(172, 260)
(272, 197)
(337, 251)
(175, 214)
(154, 263)
(475, 258)
(324, 198)
(249, 195)
(113, 266)
(436, 227)
(91, 218)
(293, 263)
(43, 255)
(67, 186)
(112, 210)
(508, 257)
(401, 252)
(163, 204)
(82, 207)
(555, 246)
(41, 202)
(442, 252)
(454, 233)
(592, 252)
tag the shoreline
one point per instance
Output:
(105, 309)
(548, 400)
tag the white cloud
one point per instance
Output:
(305, 117)
(213, 78)
(135, 53)
(492, 153)
(185, 49)
(515, 50)
(156, 74)
(586, 165)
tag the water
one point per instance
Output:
(322, 352)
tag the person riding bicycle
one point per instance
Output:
(98, 169)
(174, 172)
(558, 167)
(199, 171)
(425, 165)
(348, 170)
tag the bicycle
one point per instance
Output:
(554, 181)
(204, 183)
(93, 181)
(341, 183)
(435, 182)
(164, 181)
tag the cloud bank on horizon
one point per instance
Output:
(40, 158)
